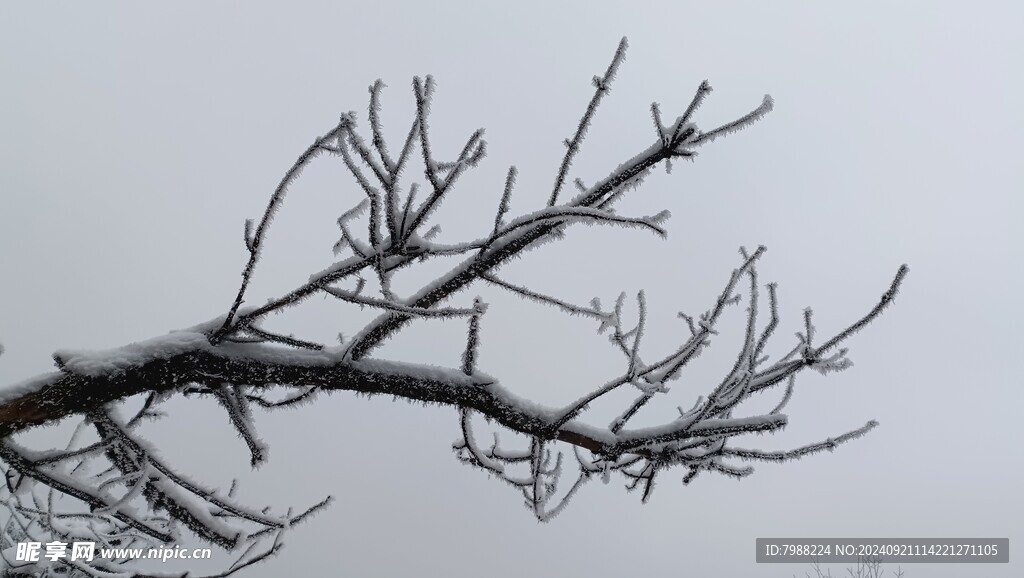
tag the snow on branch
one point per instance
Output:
(138, 498)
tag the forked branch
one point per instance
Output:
(237, 362)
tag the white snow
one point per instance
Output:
(521, 404)
(27, 386)
(105, 362)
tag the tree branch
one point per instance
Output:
(236, 361)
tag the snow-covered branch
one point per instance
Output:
(242, 365)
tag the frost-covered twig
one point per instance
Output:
(592, 203)
(255, 242)
(586, 215)
(602, 85)
(353, 297)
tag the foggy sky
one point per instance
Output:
(137, 139)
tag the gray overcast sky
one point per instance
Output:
(137, 139)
